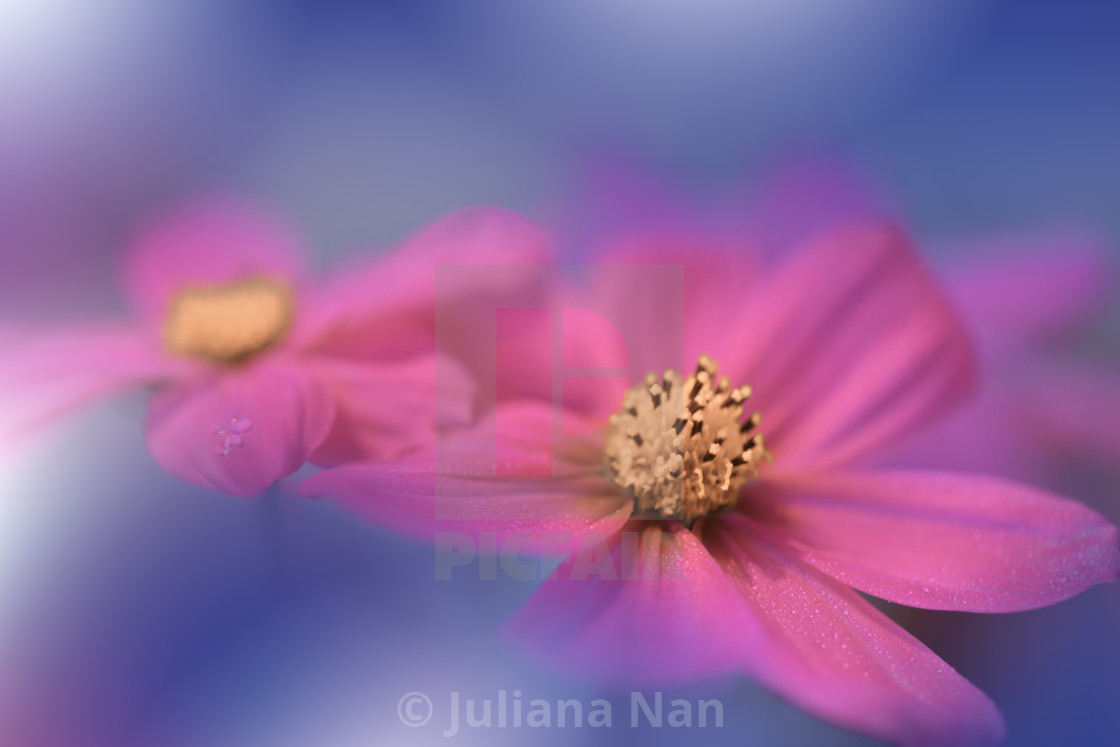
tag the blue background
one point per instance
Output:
(138, 610)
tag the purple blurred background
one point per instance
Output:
(138, 610)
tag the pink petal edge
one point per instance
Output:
(210, 241)
(501, 477)
(942, 540)
(44, 374)
(268, 419)
(848, 346)
(827, 650)
(665, 607)
(385, 410)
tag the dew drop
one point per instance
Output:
(240, 423)
(228, 438)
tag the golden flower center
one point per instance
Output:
(680, 447)
(228, 322)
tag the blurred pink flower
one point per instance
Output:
(695, 548)
(1041, 406)
(257, 366)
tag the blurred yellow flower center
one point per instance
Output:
(680, 448)
(231, 322)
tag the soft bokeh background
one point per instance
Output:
(138, 610)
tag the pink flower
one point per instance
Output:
(697, 548)
(1041, 404)
(257, 366)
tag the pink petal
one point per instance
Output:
(1034, 414)
(574, 348)
(389, 307)
(988, 435)
(642, 606)
(827, 650)
(1071, 407)
(652, 604)
(945, 541)
(539, 349)
(670, 296)
(589, 340)
(524, 354)
(268, 419)
(848, 346)
(655, 302)
(798, 199)
(209, 242)
(503, 477)
(385, 410)
(44, 374)
(1018, 290)
(617, 202)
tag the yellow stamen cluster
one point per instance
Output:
(231, 322)
(680, 448)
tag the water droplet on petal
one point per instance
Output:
(226, 440)
(240, 423)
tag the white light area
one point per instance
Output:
(42, 37)
(25, 22)
(44, 497)
(23, 471)
(13, 477)
(68, 54)
(61, 62)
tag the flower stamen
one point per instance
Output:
(679, 448)
(231, 322)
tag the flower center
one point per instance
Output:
(679, 447)
(228, 322)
